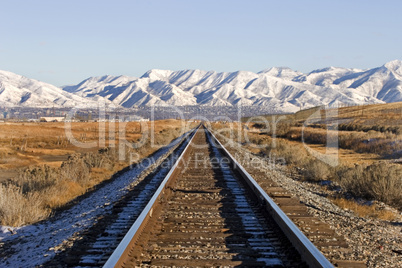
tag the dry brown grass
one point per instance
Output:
(360, 210)
(52, 171)
(372, 132)
(62, 193)
(372, 142)
(17, 208)
(384, 114)
(373, 129)
(25, 144)
(347, 157)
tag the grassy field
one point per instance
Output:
(27, 144)
(371, 132)
(367, 139)
(42, 168)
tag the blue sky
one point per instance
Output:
(66, 42)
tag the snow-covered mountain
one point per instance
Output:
(383, 83)
(281, 88)
(16, 90)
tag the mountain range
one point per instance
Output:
(281, 88)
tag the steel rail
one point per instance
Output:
(309, 253)
(115, 260)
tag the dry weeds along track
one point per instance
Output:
(203, 213)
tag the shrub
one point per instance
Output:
(381, 181)
(282, 129)
(35, 179)
(75, 169)
(104, 158)
(317, 171)
(293, 155)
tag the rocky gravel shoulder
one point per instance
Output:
(374, 241)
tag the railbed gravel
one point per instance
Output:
(377, 242)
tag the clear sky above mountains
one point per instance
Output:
(66, 42)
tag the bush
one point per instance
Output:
(75, 169)
(293, 155)
(104, 158)
(317, 171)
(381, 181)
(35, 179)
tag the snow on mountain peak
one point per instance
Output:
(281, 72)
(107, 79)
(94, 85)
(157, 74)
(395, 65)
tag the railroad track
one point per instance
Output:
(94, 246)
(208, 211)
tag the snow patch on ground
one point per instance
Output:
(33, 245)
